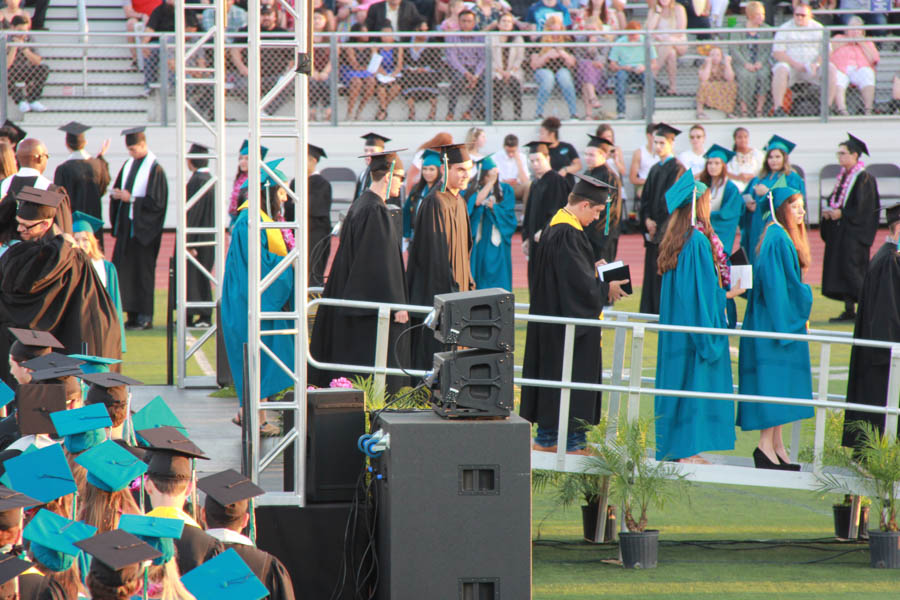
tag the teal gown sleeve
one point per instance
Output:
(112, 288)
(725, 220)
(492, 263)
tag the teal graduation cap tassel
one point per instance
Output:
(606, 227)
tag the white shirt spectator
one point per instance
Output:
(694, 162)
(506, 165)
(805, 53)
(749, 163)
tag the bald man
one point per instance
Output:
(32, 157)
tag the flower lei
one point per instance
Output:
(839, 196)
(719, 255)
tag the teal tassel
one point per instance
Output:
(606, 227)
(252, 521)
(146, 591)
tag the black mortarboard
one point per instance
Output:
(74, 128)
(11, 505)
(169, 439)
(591, 188)
(11, 566)
(110, 380)
(134, 135)
(597, 142)
(64, 375)
(15, 133)
(666, 129)
(31, 343)
(198, 149)
(854, 144)
(381, 161)
(454, 153)
(35, 204)
(36, 401)
(54, 360)
(118, 549)
(892, 213)
(229, 487)
(538, 147)
(108, 388)
(316, 152)
(374, 139)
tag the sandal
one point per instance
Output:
(237, 420)
(269, 430)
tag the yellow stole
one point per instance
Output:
(273, 236)
(564, 216)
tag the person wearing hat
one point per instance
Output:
(848, 227)
(725, 203)
(201, 214)
(548, 193)
(876, 319)
(318, 191)
(778, 302)
(240, 178)
(756, 205)
(604, 233)
(137, 211)
(374, 143)
(162, 574)
(111, 390)
(492, 214)
(12, 133)
(368, 265)
(28, 344)
(694, 283)
(439, 259)
(432, 173)
(654, 213)
(110, 470)
(226, 514)
(53, 553)
(84, 177)
(566, 284)
(117, 567)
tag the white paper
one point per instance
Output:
(601, 269)
(385, 78)
(743, 275)
(374, 63)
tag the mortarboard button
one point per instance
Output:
(43, 474)
(110, 467)
(229, 487)
(118, 549)
(225, 577)
(156, 414)
(74, 128)
(53, 539)
(35, 403)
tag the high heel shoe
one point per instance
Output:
(761, 461)
(786, 466)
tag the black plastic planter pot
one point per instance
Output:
(842, 515)
(589, 523)
(884, 549)
(639, 549)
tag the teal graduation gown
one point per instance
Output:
(779, 301)
(492, 230)
(691, 295)
(234, 312)
(752, 223)
(112, 288)
(725, 220)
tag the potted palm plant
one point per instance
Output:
(586, 487)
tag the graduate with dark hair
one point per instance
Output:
(725, 203)
(319, 221)
(374, 143)
(83, 176)
(604, 232)
(566, 284)
(878, 318)
(201, 214)
(548, 193)
(654, 214)
(491, 207)
(432, 173)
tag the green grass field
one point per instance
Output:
(700, 556)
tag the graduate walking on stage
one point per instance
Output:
(368, 266)
(566, 284)
(780, 302)
(201, 214)
(492, 213)
(654, 213)
(374, 144)
(878, 318)
(848, 228)
(695, 278)
(725, 203)
(84, 177)
(604, 232)
(432, 172)
(548, 193)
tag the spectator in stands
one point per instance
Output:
(27, 72)
(451, 23)
(386, 85)
(799, 61)
(627, 64)
(553, 65)
(615, 158)
(592, 57)
(137, 13)
(319, 90)
(330, 19)
(40, 13)
(466, 70)
(612, 16)
(512, 165)
(563, 155)
(718, 89)
(697, 12)
(694, 158)
(666, 16)
(746, 162)
(751, 60)
(235, 17)
(507, 61)
(12, 9)
(872, 13)
(401, 15)
(162, 20)
(420, 74)
(486, 15)
(540, 11)
(854, 59)
(354, 73)
(641, 160)
(476, 140)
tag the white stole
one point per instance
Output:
(139, 189)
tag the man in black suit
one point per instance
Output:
(401, 15)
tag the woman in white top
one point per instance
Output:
(476, 138)
(694, 158)
(641, 160)
(747, 162)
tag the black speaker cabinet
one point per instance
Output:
(478, 319)
(336, 419)
(454, 508)
(473, 383)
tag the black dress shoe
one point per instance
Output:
(843, 317)
(761, 461)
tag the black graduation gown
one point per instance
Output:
(138, 239)
(201, 214)
(49, 285)
(33, 586)
(438, 263)
(606, 246)
(79, 178)
(194, 548)
(653, 206)
(546, 196)
(367, 266)
(849, 239)
(877, 318)
(565, 285)
(268, 569)
(63, 218)
(319, 227)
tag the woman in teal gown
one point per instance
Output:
(781, 302)
(430, 178)
(492, 215)
(777, 164)
(725, 203)
(694, 277)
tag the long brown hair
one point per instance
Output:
(785, 166)
(706, 178)
(797, 232)
(7, 160)
(677, 231)
(102, 509)
(69, 580)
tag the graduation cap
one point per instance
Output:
(95, 364)
(196, 148)
(172, 453)
(596, 191)
(110, 467)
(11, 505)
(245, 150)
(856, 145)
(684, 190)
(117, 549)
(43, 473)
(155, 413)
(35, 204)
(82, 428)
(538, 148)
(385, 161)
(82, 221)
(64, 375)
(11, 566)
(7, 394)
(599, 142)
(891, 212)
(316, 152)
(454, 153)
(52, 360)
(53, 539)
(265, 180)
(35, 403)
(375, 140)
(225, 577)
(664, 129)
(134, 135)
(486, 164)
(720, 152)
(31, 343)
(226, 493)
(75, 133)
(108, 388)
(158, 532)
(12, 131)
(776, 142)
(430, 158)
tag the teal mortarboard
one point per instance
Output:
(110, 467)
(82, 221)
(53, 539)
(6, 394)
(245, 150)
(156, 414)
(43, 474)
(430, 158)
(225, 577)
(720, 152)
(158, 532)
(117, 549)
(776, 142)
(780, 195)
(683, 191)
(264, 179)
(487, 163)
(82, 428)
(95, 364)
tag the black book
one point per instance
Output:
(616, 271)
